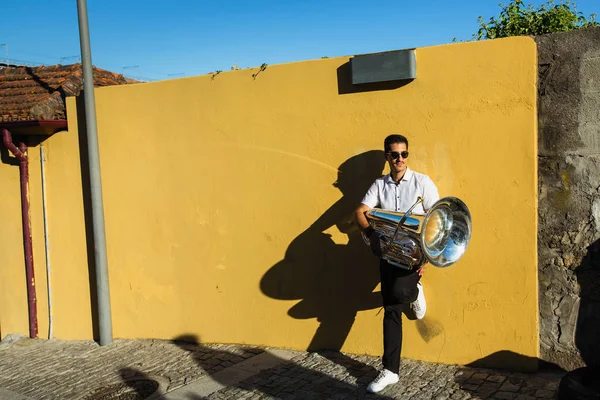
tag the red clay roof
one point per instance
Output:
(38, 93)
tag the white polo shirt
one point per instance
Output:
(386, 194)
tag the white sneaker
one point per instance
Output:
(385, 378)
(419, 306)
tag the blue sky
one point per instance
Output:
(169, 39)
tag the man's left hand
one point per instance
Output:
(422, 269)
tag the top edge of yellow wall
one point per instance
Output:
(523, 39)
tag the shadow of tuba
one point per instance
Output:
(440, 237)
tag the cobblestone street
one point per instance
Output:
(40, 369)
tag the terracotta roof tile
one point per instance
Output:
(38, 93)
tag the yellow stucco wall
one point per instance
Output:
(13, 301)
(225, 201)
(14, 317)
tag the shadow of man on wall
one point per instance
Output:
(333, 281)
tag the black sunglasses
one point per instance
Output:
(395, 155)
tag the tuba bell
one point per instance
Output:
(408, 241)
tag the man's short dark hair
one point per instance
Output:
(387, 143)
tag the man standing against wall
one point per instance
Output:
(400, 287)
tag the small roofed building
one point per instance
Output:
(35, 96)
(33, 107)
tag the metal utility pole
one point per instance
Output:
(102, 287)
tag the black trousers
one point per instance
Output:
(398, 289)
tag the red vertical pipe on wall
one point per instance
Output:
(20, 154)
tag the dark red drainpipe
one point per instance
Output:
(20, 154)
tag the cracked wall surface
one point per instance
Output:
(569, 196)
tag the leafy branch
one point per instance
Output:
(516, 19)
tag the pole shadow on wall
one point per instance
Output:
(87, 210)
(333, 281)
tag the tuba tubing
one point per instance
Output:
(440, 237)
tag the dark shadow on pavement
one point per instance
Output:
(141, 386)
(287, 380)
(521, 376)
(135, 385)
(511, 361)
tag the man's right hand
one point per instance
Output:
(374, 240)
(368, 231)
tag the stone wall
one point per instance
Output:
(569, 196)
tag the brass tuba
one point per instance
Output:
(440, 237)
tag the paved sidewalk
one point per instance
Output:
(134, 369)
